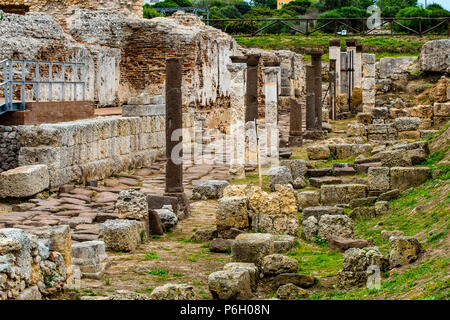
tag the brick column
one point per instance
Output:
(316, 61)
(237, 129)
(270, 76)
(368, 82)
(174, 138)
(335, 54)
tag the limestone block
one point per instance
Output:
(211, 189)
(403, 250)
(297, 167)
(132, 204)
(403, 178)
(318, 211)
(421, 111)
(283, 243)
(233, 284)
(407, 123)
(121, 234)
(24, 181)
(288, 204)
(275, 264)
(309, 228)
(434, 56)
(261, 202)
(343, 193)
(379, 178)
(275, 223)
(355, 129)
(61, 240)
(394, 158)
(318, 152)
(409, 135)
(252, 247)
(279, 175)
(91, 258)
(335, 226)
(250, 267)
(308, 198)
(173, 291)
(232, 213)
(143, 110)
(441, 109)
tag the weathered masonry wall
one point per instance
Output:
(36, 36)
(62, 8)
(92, 149)
(9, 148)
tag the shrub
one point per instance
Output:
(230, 12)
(149, 13)
(412, 23)
(298, 6)
(241, 27)
(342, 14)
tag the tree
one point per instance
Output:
(298, 6)
(271, 4)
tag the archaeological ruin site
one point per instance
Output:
(162, 159)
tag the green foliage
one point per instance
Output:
(151, 255)
(342, 13)
(271, 4)
(230, 12)
(241, 27)
(149, 12)
(298, 6)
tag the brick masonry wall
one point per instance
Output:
(9, 148)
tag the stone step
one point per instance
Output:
(347, 171)
(319, 172)
(319, 181)
(364, 167)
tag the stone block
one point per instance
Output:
(275, 223)
(275, 264)
(404, 178)
(403, 250)
(24, 181)
(335, 226)
(343, 193)
(379, 178)
(441, 109)
(319, 211)
(91, 258)
(395, 158)
(121, 235)
(408, 135)
(279, 175)
(250, 267)
(132, 204)
(168, 218)
(61, 240)
(252, 247)
(143, 110)
(407, 124)
(211, 189)
(297, 167)
(232, 213)
(173, 291)
(318, 152)
(356, 129)
(308, 198)
(363, 213)
(364, 118)
(233, 284)
(283, 243)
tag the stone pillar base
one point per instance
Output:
(314, 135)
(184, 209)
(295, 141)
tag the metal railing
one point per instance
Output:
(12, 68)
(353, 26)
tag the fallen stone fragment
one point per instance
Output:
(173, 291)
(275, 264)
(233, 284)
(290, 291)
(403, 250)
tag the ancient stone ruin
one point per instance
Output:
(159, 159)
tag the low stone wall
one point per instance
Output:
(9, 148)
(92, 149)
(32, 266)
